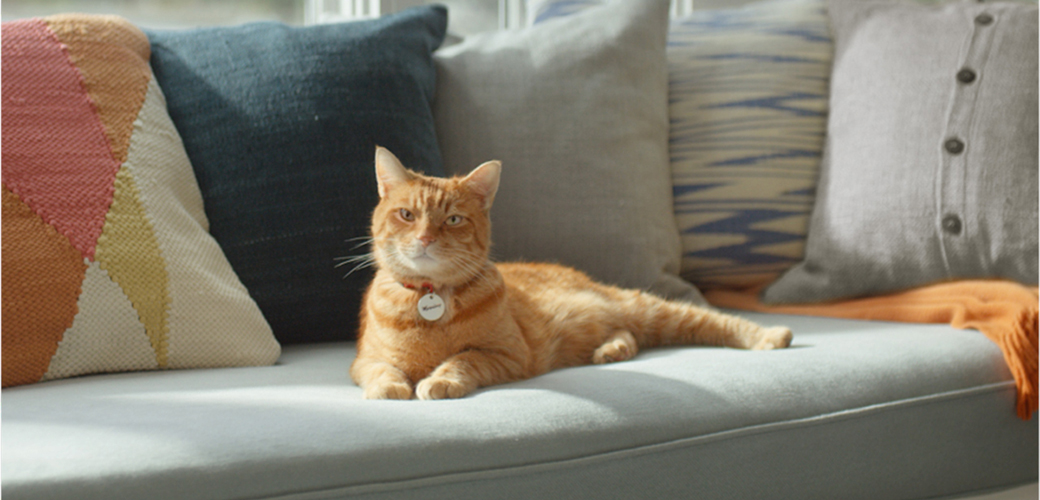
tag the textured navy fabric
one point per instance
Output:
(281, 125)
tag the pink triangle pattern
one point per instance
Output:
(55, 155)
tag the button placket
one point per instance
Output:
(952, 219)
(952, 224)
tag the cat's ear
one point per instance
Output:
(390, 173)
(483, 181)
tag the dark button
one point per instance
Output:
(951, 224)
(954, 146)
(984, 19)
(966, 75)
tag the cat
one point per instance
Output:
(440, 320)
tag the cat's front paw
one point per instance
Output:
(389, 390)
(777, 337)
(439, 387)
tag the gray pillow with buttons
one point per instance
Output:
(930, 166)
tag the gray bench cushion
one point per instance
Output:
(853, 410)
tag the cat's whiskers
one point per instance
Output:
(471, 263)
(365, 241)
(348, 259)
(362, 261)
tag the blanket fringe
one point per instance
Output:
(1020, 348)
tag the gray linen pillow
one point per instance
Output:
(576, 109)
(930, 167)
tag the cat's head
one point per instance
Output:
(431, 228)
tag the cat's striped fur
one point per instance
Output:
(502, 322)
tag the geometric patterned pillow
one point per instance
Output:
(748, 91)
(107, 260)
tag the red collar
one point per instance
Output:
(426, 286)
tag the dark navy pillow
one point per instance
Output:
(281, 125)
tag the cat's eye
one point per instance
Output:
(454, 220)
(406, 215)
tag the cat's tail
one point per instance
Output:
(654, 321)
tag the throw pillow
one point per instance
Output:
(748, 107)
(107, 265)
(281, 125)
(930, 167)
(576, 110)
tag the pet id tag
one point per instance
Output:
(431, 307)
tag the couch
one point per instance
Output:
(185, 219)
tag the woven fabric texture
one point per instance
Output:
(930, 169)
(107, 263)
(281, 125)
(576, 109)
(748, 92)
(748, 108)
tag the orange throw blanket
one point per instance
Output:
(1005, 312)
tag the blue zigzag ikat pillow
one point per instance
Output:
(281, 124)
(748, 91)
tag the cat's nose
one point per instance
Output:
(426, 240)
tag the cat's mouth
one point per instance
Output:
(422, 261)
(418, 260)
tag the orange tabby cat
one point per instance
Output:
(440, 320)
